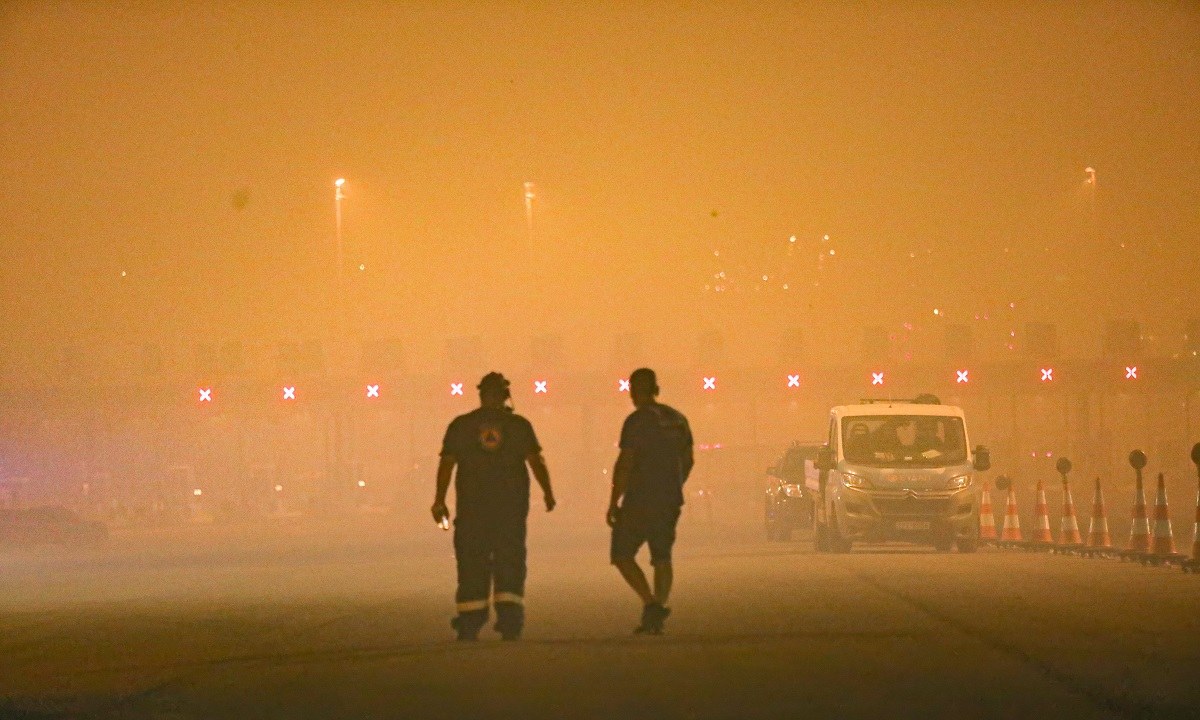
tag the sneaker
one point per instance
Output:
(653, 617)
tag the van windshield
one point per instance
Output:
(904, 440)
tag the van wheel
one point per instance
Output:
(837, 543)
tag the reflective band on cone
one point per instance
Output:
(1068, 535)
(1164, 543)
(1098, 536)
(1011, 532)
(1041, 519)
(1139, 531)
(987, 518)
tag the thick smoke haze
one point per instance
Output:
(168, 172)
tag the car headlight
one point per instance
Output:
(961, 481)
(851, 480)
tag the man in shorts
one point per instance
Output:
(647, 494)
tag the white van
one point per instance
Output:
(898, 470)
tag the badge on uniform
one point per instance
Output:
(490, 437)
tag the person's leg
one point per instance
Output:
(473, 558)
(626, 540)
(634, 576)
(663, 576)
(510, 571)
(661, 538)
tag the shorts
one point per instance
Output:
(652, 526)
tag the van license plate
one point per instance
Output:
(912, 525)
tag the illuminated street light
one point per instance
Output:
(539, 387)
(1047, 374)
(372, 391)
(337, 222)
(362, 483)
(205, 395)
(793, 381)
(456, 388)
(710, 383)
(289, 392)
(876, 378)
(1131, 373)
(197, 492)
(622, 385)
(278, 488)
(963, 377)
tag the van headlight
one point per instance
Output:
(959, 482)
(851, 480)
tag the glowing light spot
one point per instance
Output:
(362, 267)
(1047, 374)
(936, 311)
(622, 385)
(792, 239)
(710, 383)
(1131, 373)
(372, 391)
(539, 387)
(278, 488)
(289, 392)
(205, 395)
(832, 251)
(123, 273)
(963, 377)
(362, 483)
(456, 388)
(793, 381)
(339, 182)
(197, 492)
(876, 378)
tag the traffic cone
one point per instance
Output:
(1139, 531)
(1041, 518)
(987, 518)
(1068, 531)
(1163, 549)
(1193, 565)
(1011, 532)
(1098, 538)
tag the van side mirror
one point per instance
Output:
(983, 459)
(825, 460)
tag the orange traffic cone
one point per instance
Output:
(1139, 531)
(1099, 540)
(1193, 565)
(1163, 549)
(987, 517)
(1068, 535)
(1042, 539)
(1011, 532)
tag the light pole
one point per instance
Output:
(337, 221)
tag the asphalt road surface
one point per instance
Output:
(304, 619)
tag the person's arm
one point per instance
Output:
(541, 473)
(444, 472)
(620, 483)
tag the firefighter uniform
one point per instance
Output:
(491, 485)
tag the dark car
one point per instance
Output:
(48, 524)
(789, 501)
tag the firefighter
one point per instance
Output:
(493, 449)
(647, 495)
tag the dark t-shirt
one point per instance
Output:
(491, 447)
(661, 442)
